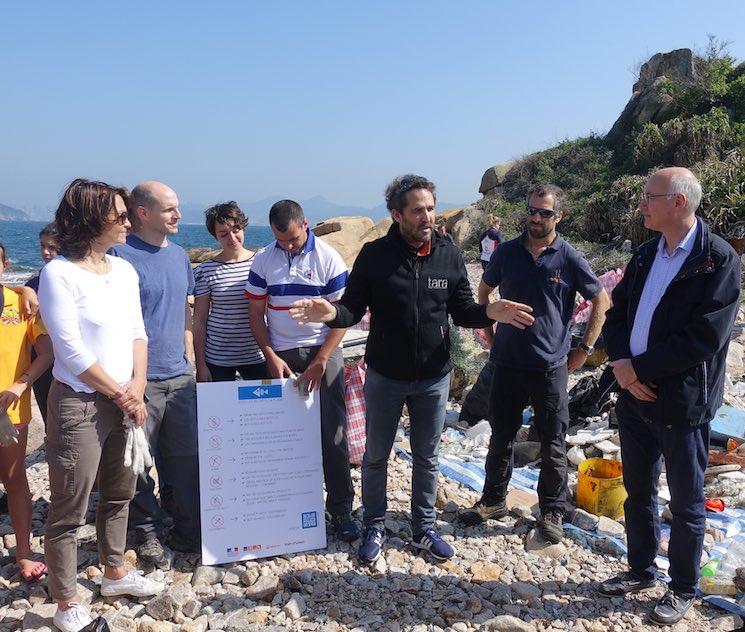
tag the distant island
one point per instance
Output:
(316, 209)
(10, 214)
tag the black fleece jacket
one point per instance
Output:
(690, 329)
(409, 296)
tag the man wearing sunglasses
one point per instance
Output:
(667, 336)
(542, 270)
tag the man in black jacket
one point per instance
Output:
(411, 280)
(667, 336)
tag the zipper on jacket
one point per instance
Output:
(706, 382)
(417, 334)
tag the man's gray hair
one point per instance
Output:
(688, 185)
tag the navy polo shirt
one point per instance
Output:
(549, 285)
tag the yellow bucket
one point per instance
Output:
(600, 487)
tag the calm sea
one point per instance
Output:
(22, 242)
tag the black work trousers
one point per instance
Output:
(511, 389)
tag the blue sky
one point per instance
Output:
(245, 100)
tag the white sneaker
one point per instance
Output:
(75, 618)
(133, 583)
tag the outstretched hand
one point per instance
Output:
(511, 313)
(312, 310)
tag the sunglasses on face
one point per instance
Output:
(543, 212)
(120, 218)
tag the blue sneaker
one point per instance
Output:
(431, 541)
(372, 544)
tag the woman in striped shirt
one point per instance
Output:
(223, 342)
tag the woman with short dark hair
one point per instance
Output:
(223, 342)
(91, 306)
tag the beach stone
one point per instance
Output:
(727, 622)
(207, 576)
(485, 572)
(508, 623)
(38, 618)
(584, 520)
(181, 594)
(161, 608)
(263, 589)
(38, 595)
(191, 608)
(122, 623)
(92, 571)
(295, 607)
(249, 576)
(606, 526)
(523, 590)
(154, 626)
(736, 476)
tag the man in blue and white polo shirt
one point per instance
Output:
(297, 265)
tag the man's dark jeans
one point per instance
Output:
(644, 442)
(547, 391)
(384, 400)
(339, 489)
(171, 430)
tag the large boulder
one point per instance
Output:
(494, 177)
(384, 225)
(651, 100)
(353, 233)
(199, 255)
(463, 222)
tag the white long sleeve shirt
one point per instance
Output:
(91, 318)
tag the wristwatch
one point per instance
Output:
(586, 348)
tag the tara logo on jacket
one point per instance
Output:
(437, 284)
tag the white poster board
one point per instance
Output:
(260, 470)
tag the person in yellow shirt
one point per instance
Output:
(17, 374)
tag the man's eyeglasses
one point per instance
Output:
(645, 197)
(543, 212)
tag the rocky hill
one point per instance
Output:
(8, 213)
(685, 109)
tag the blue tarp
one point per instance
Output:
(470, 472)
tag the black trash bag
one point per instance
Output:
(97, 625)
(590, 397)
(476, 404)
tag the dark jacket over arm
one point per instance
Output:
(464, 310)
(352, 306)
(409, 295)
(690, 329)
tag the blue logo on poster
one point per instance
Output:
(260, 392)
(310, 520)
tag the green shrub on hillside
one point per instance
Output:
(705, 131)
(683, 141)
(612, 212)
(723, 204)
(579, 167)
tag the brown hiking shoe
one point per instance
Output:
(481, 512)
(550, 526)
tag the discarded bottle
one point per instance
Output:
(710, 568)
(733, 558)
(721, 581)
(717, 585)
